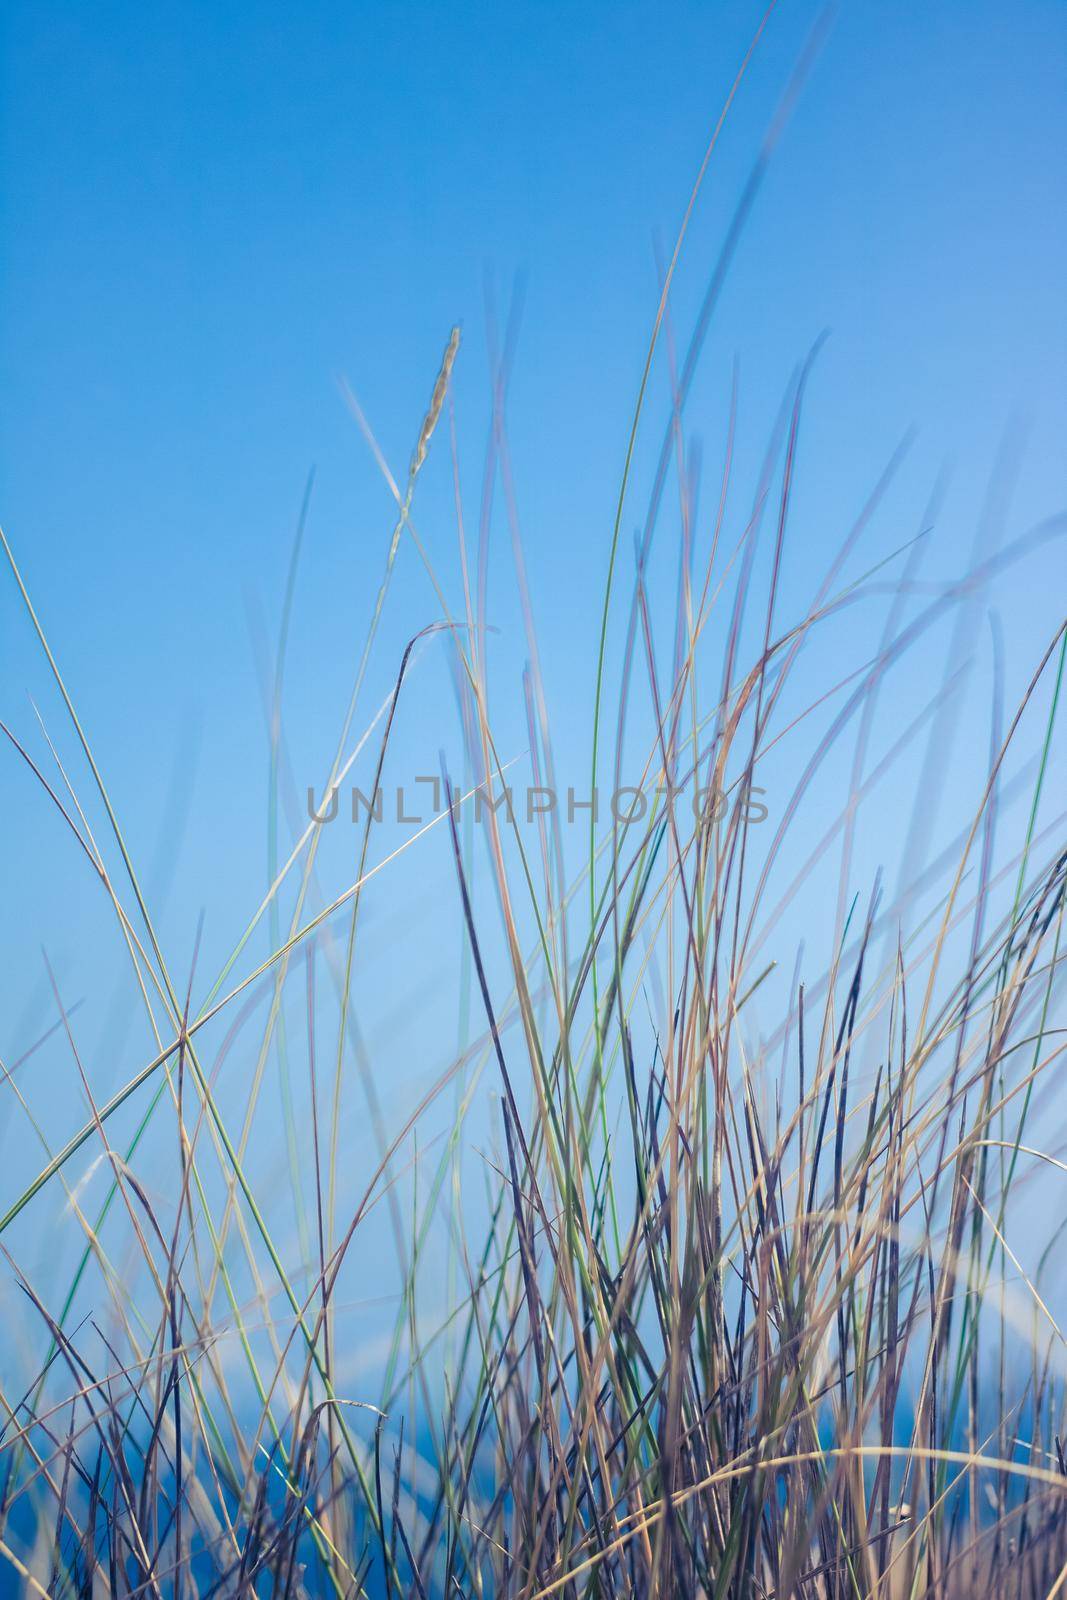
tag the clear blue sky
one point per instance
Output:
(210, 214)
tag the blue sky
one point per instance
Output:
(211, 215)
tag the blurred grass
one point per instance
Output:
(736, 1319)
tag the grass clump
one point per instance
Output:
(742, 1315)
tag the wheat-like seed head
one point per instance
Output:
(437, 400)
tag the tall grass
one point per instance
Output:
(742, 1315)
